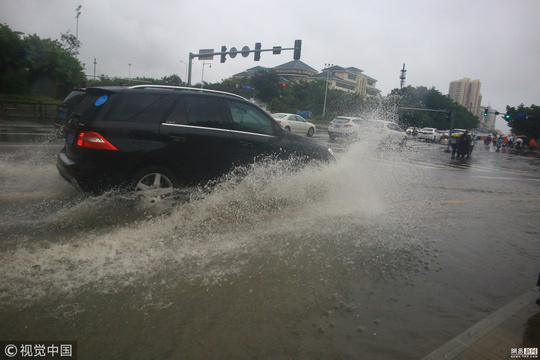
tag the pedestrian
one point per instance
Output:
(453, 143)
(519, 143)
(463, 145)
(473, 140)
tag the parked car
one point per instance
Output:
(429, 135)
(295, 123)
(381, 131)
(152, 137)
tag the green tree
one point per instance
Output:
(13, 76)
(267, 84)
(530, 126)
(429, 99)
(70, 44)
(35, 66)
(172, 80)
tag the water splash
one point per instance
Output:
(68, 243)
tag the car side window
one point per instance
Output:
(250, 119)
(204, 111)
(178, 113)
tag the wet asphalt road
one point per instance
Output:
(384, 255)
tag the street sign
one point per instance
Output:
(206, 57)
(245, 51)
(520, 116)
(233, 52)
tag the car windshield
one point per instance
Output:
(359, 121)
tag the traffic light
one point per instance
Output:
(486, 112)
(507, 116)
(257, 55)
(223, 56)
(297, 49)
(449, 115)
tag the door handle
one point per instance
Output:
(178, 138)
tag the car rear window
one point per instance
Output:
(341, 120)
(81, 104)
(131, 106)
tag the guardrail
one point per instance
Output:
(37, 111)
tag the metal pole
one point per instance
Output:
(77, 10)
(326, 90)
(190, 68)
(450, 132)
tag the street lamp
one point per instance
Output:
(78, 11)
(326, 66)
(202, 76)
(129, 74)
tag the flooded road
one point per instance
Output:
(381, 255)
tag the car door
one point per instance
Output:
(256, 135)
(198, 137)
(303, 125)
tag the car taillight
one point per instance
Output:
(278, 121)
(347, 125)
(92, 140)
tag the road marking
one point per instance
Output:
(464, 201)
(504, 178)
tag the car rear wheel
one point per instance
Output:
(287, 128)
(154, 183)
(310, 132)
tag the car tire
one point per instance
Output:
(155, 183)
(310, 132)
(288, 128)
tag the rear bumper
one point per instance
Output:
(86, 179)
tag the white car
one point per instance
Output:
(381, 131)
(344, 126)
(295, 123)
(429, 135)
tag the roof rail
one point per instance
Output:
(184, 88)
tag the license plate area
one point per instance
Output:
(70, 138)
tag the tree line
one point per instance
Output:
(33, 66)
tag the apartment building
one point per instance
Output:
(349, 79)
(467, 93)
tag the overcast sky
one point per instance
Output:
(495, 41)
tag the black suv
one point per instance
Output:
(160, 137)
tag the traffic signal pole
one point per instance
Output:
(209, 55)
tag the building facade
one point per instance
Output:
(349, 79)
(467, 93)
